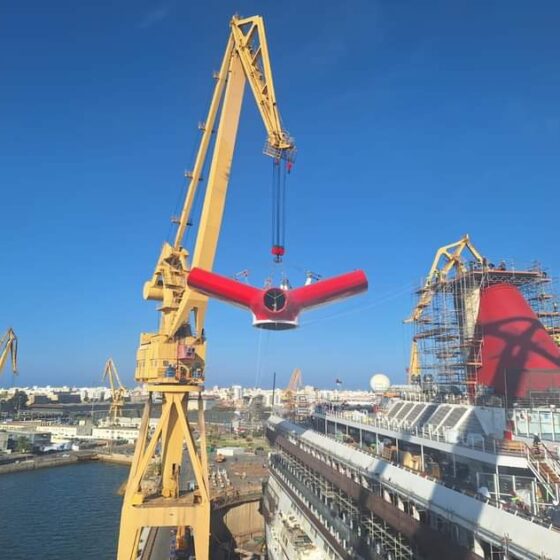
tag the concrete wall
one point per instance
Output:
(118, 458)
(41, 463)
(244, 521)
(234, 526)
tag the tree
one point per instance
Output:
(20, 400)
(23, 445)
(16, 403)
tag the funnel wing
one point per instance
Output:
(221, 287)
(331, 289)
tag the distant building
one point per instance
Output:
(66, 432)
(68, 397)
(236, 392)
(38, 399)
(115, 433)
(36, 440)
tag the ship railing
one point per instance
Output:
(540, 455)
(364, 474)
(483, 443)
(551, 458)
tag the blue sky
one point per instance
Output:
(415, 122)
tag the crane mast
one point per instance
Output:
(118, 390)
(171, 361)
(9, 346)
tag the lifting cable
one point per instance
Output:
(281, 168)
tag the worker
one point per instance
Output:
(516, 500)
(554, 513)
(484, 492)
(536, 443)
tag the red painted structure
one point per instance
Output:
(518, 355)
(274, 308)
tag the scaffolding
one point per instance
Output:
(357, 531)
(447, 343)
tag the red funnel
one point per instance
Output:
(273, 308)
(518, 355)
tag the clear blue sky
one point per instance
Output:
(415, 123)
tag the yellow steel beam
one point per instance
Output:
(215, 199)
(207, 130)
(252, 47)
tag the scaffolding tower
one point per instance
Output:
(447, 345)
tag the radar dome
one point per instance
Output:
(379, 382)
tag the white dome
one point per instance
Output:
(379, 382)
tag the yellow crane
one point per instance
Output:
(8, 345)
(171, 361)
(448, 259)
(118, 390)
(290, 394)
(414, 368)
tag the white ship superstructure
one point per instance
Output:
(289, 532)
(363, 501)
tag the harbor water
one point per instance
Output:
(61, 513)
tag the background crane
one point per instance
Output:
(9, 345)
(449, 259)
(118, 390)
(171, 361)
(290, 393)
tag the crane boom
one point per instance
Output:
(252, 48)
(448, 258)
(295, 380)
(171, 361)
(9, 346)
(248, 41)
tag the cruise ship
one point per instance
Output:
(462, 462)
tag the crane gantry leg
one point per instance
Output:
(171, 507)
